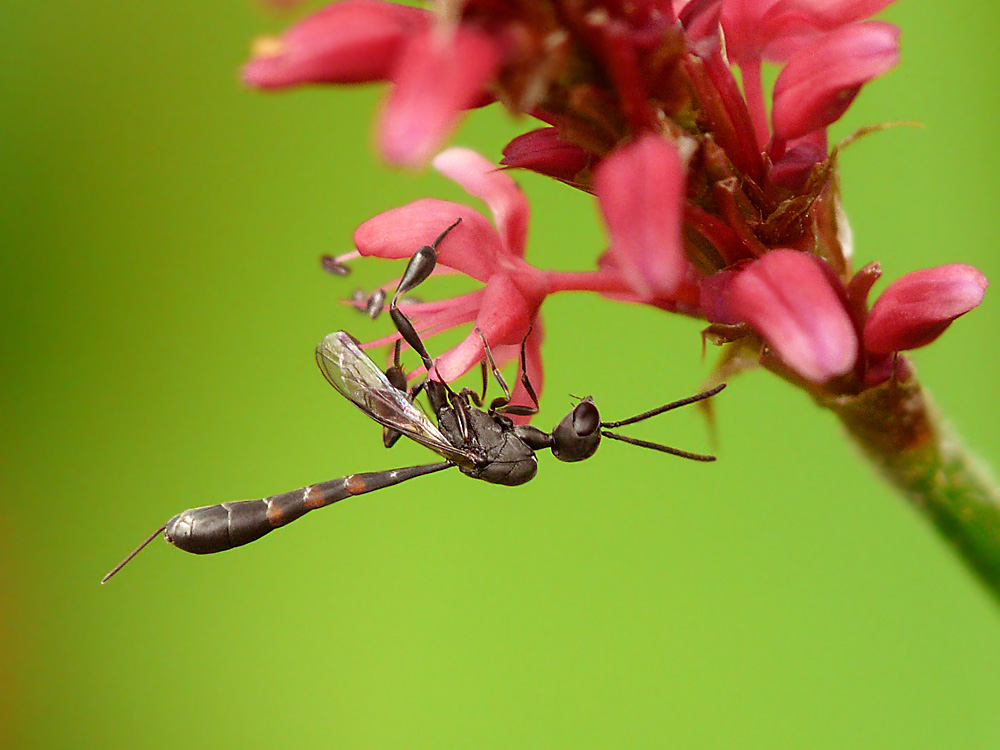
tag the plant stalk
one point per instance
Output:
(902, 433)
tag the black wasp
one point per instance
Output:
(484, 443)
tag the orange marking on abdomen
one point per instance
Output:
(275, 515)
(312, 500)
(354, 484)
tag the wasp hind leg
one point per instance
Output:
(502, 404)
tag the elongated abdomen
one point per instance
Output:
(220, 527)
(216, 528)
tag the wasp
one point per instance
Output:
(483, 442)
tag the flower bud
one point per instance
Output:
(544, 152)
(821, 80)
(916, 308)
(788, 297)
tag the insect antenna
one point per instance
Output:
(133, 553)
(657, 447)
(666, 407)
(607, 426)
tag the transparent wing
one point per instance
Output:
(360, 381)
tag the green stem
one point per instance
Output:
(902, 433)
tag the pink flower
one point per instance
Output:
(917, 308)
(640, 187)
(820, 81)
(700, 20)
(506, 308)
(714, 208)
(348, 42)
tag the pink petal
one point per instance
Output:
(821, 80)
(483, 179)
(432, 318)
(455, 363)
(441, 73)
(504, 318)
(347, 42)
(471, 247)
(787, 297)
(640, 187)
(774, 30)
(916, 308)
(451, 312)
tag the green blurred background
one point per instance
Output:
(161, 299)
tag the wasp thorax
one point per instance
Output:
(579, 434)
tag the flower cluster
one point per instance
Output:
(713, 208)
(506, 309)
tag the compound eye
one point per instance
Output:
(586, 419)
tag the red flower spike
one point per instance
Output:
(820, 81)
(787, 297)
(917, 308)
(718, 205)
(441, 73)
(760, 191)
(348, 42)
(640, 187)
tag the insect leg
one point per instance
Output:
(502, 404)
(525, 411)
(477, 398)
(397, 378)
